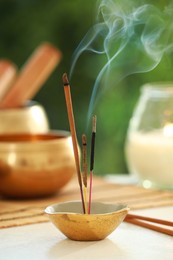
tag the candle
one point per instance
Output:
(150, 156)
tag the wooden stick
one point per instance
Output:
(8, 71)
(155, 220)
(143, 222)
(84, 157)
(32, 76)
(73, 132)
(149, 226)
(94, 119)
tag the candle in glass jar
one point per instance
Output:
(150, 156)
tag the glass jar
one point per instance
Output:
(149, 144)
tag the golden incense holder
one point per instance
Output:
(104, 218)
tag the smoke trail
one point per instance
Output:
(133, 39)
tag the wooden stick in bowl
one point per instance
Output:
(8, 71)
(32, 76)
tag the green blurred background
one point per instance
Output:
(24, 24)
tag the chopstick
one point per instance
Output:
(143, 222)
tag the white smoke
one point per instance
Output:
(133, 38)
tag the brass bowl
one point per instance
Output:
(31, 118)
(33, 165)
(102, 221)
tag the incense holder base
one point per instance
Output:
(68, 217)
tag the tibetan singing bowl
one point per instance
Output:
(102, 221)
(33, 165)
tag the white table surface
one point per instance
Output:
(44, 242)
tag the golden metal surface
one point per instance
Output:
(33, 165)
(102, 221)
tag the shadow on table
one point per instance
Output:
(86, 250)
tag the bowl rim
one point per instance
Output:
(124, 207)
(28, 105)
(54, 134)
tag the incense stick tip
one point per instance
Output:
(94, 123)
(84, 141)
(65, 79)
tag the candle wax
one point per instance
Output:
(150, 157)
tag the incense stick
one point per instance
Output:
(84, 156)
(73, 132)
(92, 161)
(84, 153)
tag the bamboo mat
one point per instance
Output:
(23, 212)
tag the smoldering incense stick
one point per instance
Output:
(84, 153)
(94, 119)
(73, 132)
(84, 157)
